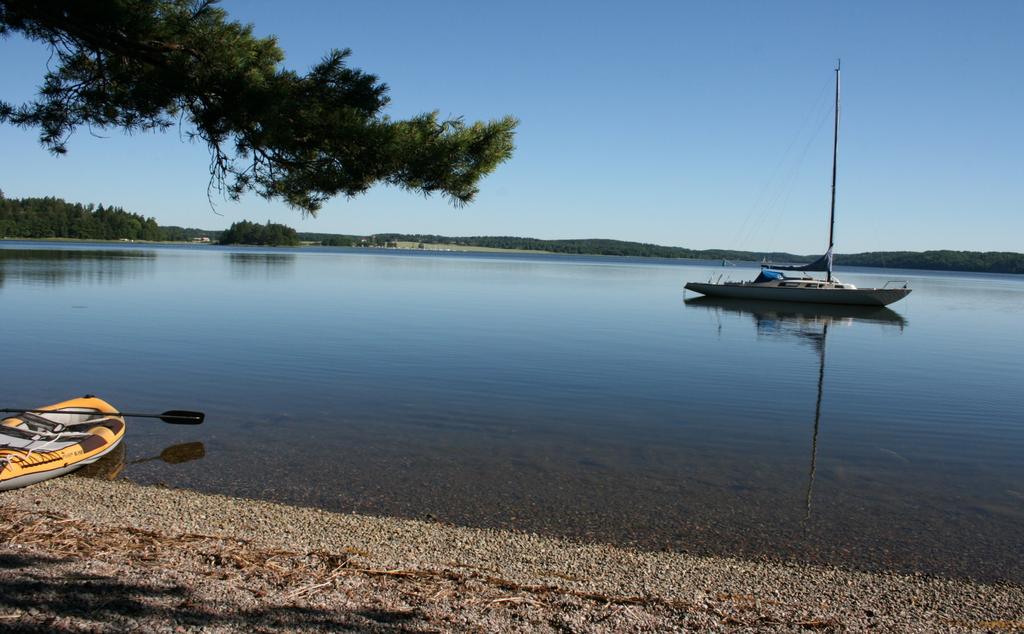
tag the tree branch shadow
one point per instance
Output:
(35, 594)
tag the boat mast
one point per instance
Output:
(835, 152)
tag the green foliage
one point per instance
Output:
(172, 233)
(989, 262)
(985, 262)
(339, 241)
(578, 246)
(270, 234)
(143, 65)
(330, 239)
(54, 218)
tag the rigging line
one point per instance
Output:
(786, 186)
(876, 240)
(795, 175)
(808, 115)
(788, 183)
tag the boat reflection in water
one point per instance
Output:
(110, 466)
(807, 323)
(796, 318)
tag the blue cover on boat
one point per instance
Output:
(767, 275)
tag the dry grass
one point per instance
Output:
(432, 598)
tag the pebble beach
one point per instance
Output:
(89, 555)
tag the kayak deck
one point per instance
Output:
(67, 435)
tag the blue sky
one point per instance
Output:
(691, 124)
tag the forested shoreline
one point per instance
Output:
(270, 234)
(938, 260)
(53, 218)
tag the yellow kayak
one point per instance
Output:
(58, 439)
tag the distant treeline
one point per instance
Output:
(55, 218)
(578, 247)
(978, 261)
(591, 246)
(987, 262)
(270, 234)
(173, 233)
(331, 239)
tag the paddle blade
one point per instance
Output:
(182, 417)
(185, 452)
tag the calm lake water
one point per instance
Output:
(571, 396)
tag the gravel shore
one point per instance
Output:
(91, 555)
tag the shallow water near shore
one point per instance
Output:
(570, 396)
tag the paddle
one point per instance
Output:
(174, 416)
(177, 454)
(111, 466)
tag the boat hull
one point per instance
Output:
(797, 312)
(33, 450)
(848, 296)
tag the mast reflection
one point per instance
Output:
(807, 323)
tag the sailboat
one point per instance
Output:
(774, 284)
